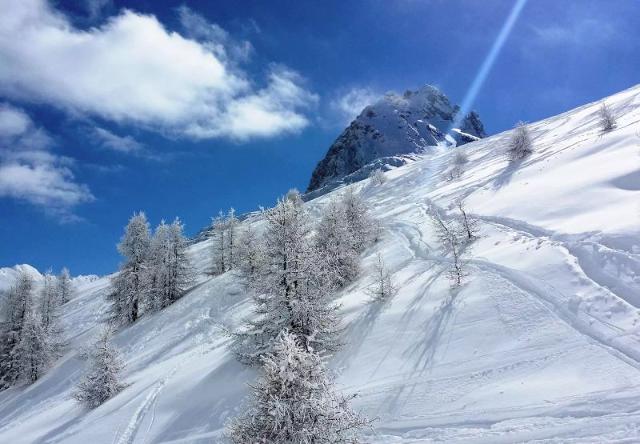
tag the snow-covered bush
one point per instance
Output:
(102, 380)
(377, 177)
(520, 144)
(607, 119)
(295, 401)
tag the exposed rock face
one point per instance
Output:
(392, 127)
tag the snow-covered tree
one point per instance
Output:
(295, 401)
(458, 162)
(34, 352)
(336, 245)
(290, 290)
(48, 299)
(225, 243)
(377, 177)
(49, 312)
(520, 144)
(128, 286)
(363, 229)
(469, 223)
(383, 287)
(249, 252)
(102, 380)
(607, 119)
(65, 287)
(452, 237)
(17, 305)
(168, 271)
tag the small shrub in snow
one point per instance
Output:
(607, 119)
(377, 177)
(102, 380)
(295, 401)
(520, 145)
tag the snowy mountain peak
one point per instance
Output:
(385, 131)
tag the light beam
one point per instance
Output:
(488, 63)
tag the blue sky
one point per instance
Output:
(183, 109)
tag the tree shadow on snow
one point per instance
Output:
(505, 176)
(423, 352)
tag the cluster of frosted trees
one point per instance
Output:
(225, 242)
(30, 334)
(294, 269)
(155, 273)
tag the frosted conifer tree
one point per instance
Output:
(49, 313)
(65, 287)
(225, 242)
(295, 401)
(128, 286)
(520, 145)
(102, 380)
(48, 299)
(18, 303)
(377, 177)
(336, 245)
(249, 252)
(168, 271)
(34, 352)
(290, 292)
(607, 119)
(363, 229)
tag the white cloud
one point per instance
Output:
(214, 37)
(132, 70)
(350, 104)
(583, 31)
(114, 142)
(31, 173)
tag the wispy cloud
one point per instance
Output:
(30, 172)
(111, 141)
(578, 31)
(349, 104)
(132, 70)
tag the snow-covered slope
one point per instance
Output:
(541, 344)
(388, 130)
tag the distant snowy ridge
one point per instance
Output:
(386, 131)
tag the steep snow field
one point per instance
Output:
(542, 343)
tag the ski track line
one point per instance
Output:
(131, 430)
